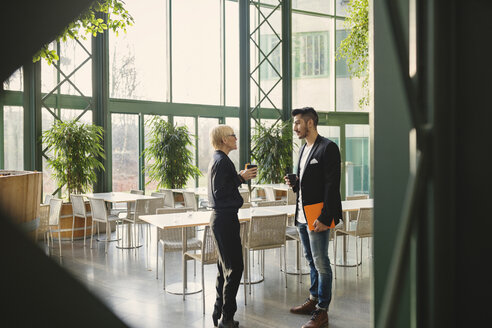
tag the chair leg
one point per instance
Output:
(357, 255)
(249, 269)
(245, 274)
(285, 266)
(203, 289)
(163, 266)
(73, 225)
(85, 228)
(184, 276)
(335, 253)
(92, 232)
(157, 259)
(59, 239)
(108, 229)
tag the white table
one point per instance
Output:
(120, 197)
(194, 219)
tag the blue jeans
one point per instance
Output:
(315, 246)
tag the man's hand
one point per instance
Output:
(318, 226)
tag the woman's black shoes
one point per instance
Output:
(216, 316)
(228, 324)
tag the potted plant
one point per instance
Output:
(76, 149)
(169, 159)
(272, 149)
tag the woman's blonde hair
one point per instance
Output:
(218, 133)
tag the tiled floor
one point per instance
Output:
(126, 282)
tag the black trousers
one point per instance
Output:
(225, 227)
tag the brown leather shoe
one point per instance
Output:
(307, 308)
(319, 319)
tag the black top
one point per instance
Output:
(223, 183)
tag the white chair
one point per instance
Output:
(245, 195)
(271, 203)
(291, 197)
(169, 198)
(78, 210)
(246, 205)
(47, 199)
(171, 240)
(291, 233)
(159, 194)
(265, 232)
(269, 193)
(363, 229)
(352, 215)
(208, 255)
(100, 214)
(54, 220)
(143, 207)
(44, 215)
(190, 200)
(128, 208)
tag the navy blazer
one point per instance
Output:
(321, 180)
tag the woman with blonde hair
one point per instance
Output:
(225, 199)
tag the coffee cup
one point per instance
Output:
(292, 178)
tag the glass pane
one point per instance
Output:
(196, 51)
(49, 74)
(342, 6)
(189, 122)
(138, 59)
(357, 159)
(152, 185)
(70, 114)
(205, 149)
(15, 82)
(312, 83)
(232, 53)
(349, 90)
(330, 132)
(233, 122)
(320, 6)
(72, 55)
(124, 129)
(49, 183)
(13, 142)
(266, 92)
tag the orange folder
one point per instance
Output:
(313, 212)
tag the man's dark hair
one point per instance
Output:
(307, 113)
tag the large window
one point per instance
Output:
(180, 60)
(196, 51)
(312, 84)
(139, 59)
(13, 137)
(15, 81)
(125, 153)
(348, 90)
(357, 159)
(205, 149)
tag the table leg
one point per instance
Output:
(184, 288)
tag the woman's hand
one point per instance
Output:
(249, 173)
